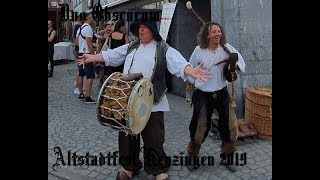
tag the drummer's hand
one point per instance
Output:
(83, 59)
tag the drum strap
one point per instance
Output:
(133, 45)
(158, 76)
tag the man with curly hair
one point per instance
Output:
(212, 94)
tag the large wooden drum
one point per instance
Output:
(125, 102)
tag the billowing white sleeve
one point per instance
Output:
(115, 57)
(176, 63)
(194, 62)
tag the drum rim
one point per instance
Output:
(142, 80)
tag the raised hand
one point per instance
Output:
(87, 58)
(82, 59)
(200, 74)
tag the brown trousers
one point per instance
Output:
(155, 159)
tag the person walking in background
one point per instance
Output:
(116, 39)
(51, 41)
(85, 35)
(76, 49)
(104, 35)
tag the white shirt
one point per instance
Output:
(86, 32)
(209, 59)
(143, 62)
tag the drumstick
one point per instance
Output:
(233, 102)
(189, 6)
(84, 51)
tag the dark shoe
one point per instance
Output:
(81, 96)
(232, 167)
(89, 100)
(193, 151)
(192, 167)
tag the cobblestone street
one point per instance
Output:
(73, 126)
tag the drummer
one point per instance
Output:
(150, 56)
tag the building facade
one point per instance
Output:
(248, 27)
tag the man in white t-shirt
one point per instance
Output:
(84, 36)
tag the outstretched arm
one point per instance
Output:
(86, 58)
(178, 66)
(197, 72)
(101, 32)
(111, 57)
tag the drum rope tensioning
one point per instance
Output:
(125, 102)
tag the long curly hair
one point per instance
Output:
(202, 36)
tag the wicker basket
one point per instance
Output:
(258, 111)
(262, 96)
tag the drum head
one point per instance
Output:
(140, 104)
